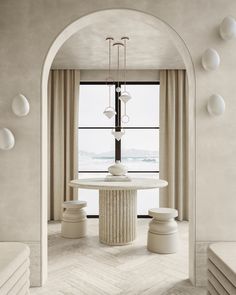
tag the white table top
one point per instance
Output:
(134, 184)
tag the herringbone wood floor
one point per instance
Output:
(84, 266)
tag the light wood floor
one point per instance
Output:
(84, 266)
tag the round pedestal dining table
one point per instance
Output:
(117, 206)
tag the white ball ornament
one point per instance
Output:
(228, 28)
(20, 105)
(210, 59)
(7, 140)
(216, 105)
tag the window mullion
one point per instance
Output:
(117, 124)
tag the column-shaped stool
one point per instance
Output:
(163, 231)
(74, 220)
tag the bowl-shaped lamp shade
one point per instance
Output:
(118, 134)
(210, 59)
(216, 105)
(125, 97)
(228, 28)
(20, 105)
(7, 140)
(109, 112)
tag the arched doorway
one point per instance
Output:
(183, 50)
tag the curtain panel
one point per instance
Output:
(174, 140)
(63, 94)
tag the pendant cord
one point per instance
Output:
(109, 95)
(124, 64)
(118, 65)
(109, 60)
(109, 78)
(118, 80)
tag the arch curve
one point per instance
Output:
(62, 37)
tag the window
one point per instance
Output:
(138, 148)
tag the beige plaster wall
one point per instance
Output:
(27, 30)
(131, 75)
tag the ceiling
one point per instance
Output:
(147, 48)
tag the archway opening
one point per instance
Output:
(66, 33)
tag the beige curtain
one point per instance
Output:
(63, 92)
(174, 164)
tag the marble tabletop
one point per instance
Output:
(133, 184)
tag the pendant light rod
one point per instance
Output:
(109, 78)
(118, 67)
(109, 111)
(125, 96)
(118, 44)
(125, 39)
(109, 55)
(109, 95)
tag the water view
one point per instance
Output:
(134, 159)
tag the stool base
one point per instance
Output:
(74, 220)
(163, 244)
(74, 230)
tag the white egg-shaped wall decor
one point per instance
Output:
(228, 28)
(216, 105)
(7, 139)
(20, 105)
(210, 59)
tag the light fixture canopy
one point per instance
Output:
(7, 139)
(20, 105)
(216, 105)
(228, 28)
(210, 59)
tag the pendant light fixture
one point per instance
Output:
(118, 132)
(125, 95)
(109, 111)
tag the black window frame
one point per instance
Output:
(118, 143)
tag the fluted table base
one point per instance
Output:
(117, 216)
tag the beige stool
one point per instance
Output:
(74, 220)
(163, 231)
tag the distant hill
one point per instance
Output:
(139, 153)
(129, 153)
